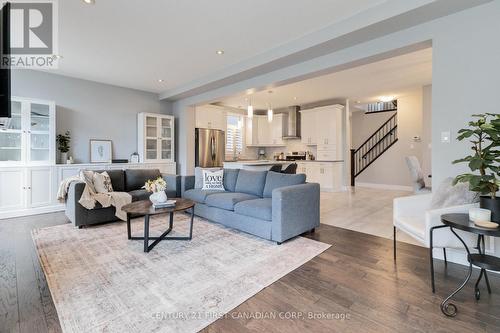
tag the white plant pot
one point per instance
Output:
(159, 197)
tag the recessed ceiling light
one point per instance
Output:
(359, 102)
(295, 98)
(160, 80)
(220, 52)
(89, 2)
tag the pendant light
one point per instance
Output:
(270, 114)
(250, 110)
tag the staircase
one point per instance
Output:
(374, 147)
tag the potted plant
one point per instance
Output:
(63, 141)
(484, 162)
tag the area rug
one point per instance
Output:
(102, 282)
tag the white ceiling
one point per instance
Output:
(393, 76)
(134, 43)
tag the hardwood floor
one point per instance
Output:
(355, 282)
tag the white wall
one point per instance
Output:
(90, 110)
(390, 168)
(427, 133)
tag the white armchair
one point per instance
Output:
(413, 216)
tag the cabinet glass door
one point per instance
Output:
(151, 138)
(166, 128)
(166, 149)
(39, 132)
(11, 136)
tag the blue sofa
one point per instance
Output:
(266, 204)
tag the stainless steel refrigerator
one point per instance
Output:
(210, 147)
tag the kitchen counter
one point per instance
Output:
(253, 165)
(266, 164)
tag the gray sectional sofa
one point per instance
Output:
(267, 204)
(130, 180)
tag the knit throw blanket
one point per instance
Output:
(90, 196)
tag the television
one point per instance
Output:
(5, 93)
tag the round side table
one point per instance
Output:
(480, 259)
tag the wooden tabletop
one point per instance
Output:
(145, 207)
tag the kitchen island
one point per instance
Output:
(327, 173)
(256, 165)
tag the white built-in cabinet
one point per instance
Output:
(27, 188)
(211, 117)
(327, 174)
(322, 127)
(155, 137)
(263, 133)
(28, 137)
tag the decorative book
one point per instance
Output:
(167, 204)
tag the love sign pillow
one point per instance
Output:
(213, 180)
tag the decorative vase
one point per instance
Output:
(493, 205)
(159, 197)
(64, 158)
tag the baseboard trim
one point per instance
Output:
(31, 211)
(385, 186)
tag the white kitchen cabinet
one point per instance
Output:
(211, 117)
(327, 174)
(262, 133)
(322, 127)
(308, 127)
(278, 127)
(28, 138)
(155, 137)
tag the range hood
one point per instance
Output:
(292, 130)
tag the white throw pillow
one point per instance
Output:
(198, 176)
(213, 180)
(102, 182)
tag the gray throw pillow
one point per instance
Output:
(198, 176)
(448, 195)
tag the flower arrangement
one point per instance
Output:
(157, 185)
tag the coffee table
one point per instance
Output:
(145, 207)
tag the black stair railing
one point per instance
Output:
(377, 144)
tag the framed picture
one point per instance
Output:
(100, 151)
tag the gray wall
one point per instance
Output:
(90, 110)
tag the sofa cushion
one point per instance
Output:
(136, 178)
(198, 175)
(213, 180)
(117, 179)
(227, 200)
(230, 178)
(198, 195)
(138, 195)
(258, 208)
(251, 182)
(276, 180)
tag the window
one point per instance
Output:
(234, 135)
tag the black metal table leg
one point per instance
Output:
(431, 257)
(448, 308)
(146, 233)
(129, 233)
